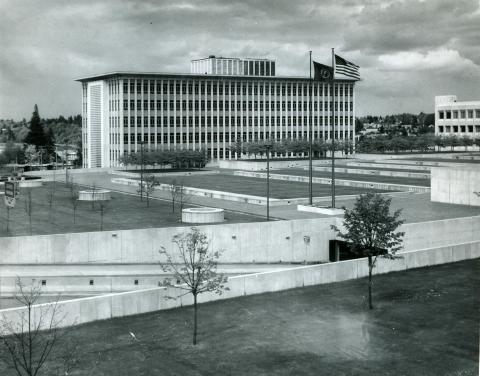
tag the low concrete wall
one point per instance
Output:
(382, 156)
(385, 165)
(158, 174)
(403, 174)
(347, 183)
(210, 193)
(60, 173)
(79, 311)
(262, 165)
(320, 210)
(459, 185)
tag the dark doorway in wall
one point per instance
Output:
(340, 251)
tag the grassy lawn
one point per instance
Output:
(425, 322)
(258, 187)
(122, 212)
(358, 177)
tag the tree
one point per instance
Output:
(466, 141)
(178, 194)
(476, 141)
(103, 209)
(31, 154)
(440, 142)
(79, 160)
(50, 144)
(51, 196)
(74, 199)
(193, 268)
(29, 206)
(32, 339)
(12, 154)
(371, 231)
(93, 189)
(36, 134)
(150, 184)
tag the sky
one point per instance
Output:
(408, 51)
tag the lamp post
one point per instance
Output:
(268, 146)
(141, 169)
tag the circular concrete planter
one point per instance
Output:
(97, 195)
(202, 215)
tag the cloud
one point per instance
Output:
(397, 43)
(442, 58)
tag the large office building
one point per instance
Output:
(221, 102)
(456, 118)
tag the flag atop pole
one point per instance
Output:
(322, 72)
(345, 68)
(332, 137)
(310, 136)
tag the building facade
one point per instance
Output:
(456, 118)
(121, 111)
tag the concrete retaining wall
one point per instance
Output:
(347, 183)
(264, 242)
(260, 242)
(79, 311)
(459, 185)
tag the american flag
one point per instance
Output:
(346, 68)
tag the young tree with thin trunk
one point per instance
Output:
(371, 231)
(32, 339)
(193, 268)
(29, 207)
(74, 199)
(178, 194)
(150, 184)
(93, 188)
(51, 196)
(103, 209)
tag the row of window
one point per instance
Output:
(217, 87)
(221, 121)
(458, 128)
(458, 114)
(217, 137)
(227, 105)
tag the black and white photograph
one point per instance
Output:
(239, 187)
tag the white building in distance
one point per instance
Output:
(222, 102)
(456, 118)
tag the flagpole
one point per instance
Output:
(310, 148)
(333, 130)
